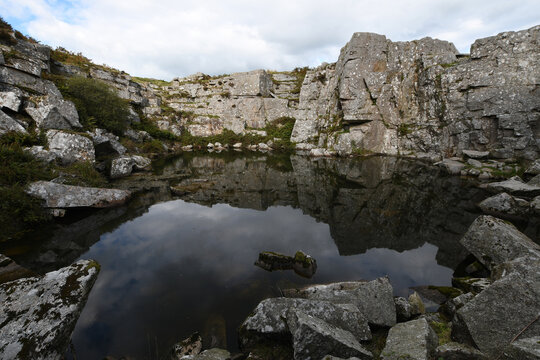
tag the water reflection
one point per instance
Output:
(172, 265)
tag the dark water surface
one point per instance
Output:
(175, 264)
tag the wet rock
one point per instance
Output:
(53, 112)
(314, 338)
(493, 241)
(38, 314)
(190, 346)
(473, 154)
(7, 124)
(373, 298)
(505, 205)
(457, 351)
(213, 354)
(106, 143)
(474, 163)
(504, 309)
(524, 349)
(69, 148)
(10, 270)
(68, 196)
(123, 166)
(302, 264)
(414, 339)
(270, 318)
(514, 186)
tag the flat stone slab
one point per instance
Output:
(69, 196)
(505, 205)
(514, 186)
(494, 241)
(314, 338)
(373, 298)
(473, 154)
(412, 340)
(38, 314)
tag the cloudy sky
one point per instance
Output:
(168, 38)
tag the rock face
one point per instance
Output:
(494, 242)
(68, 196)
(414, 339)
(314, 338)
(524, 349)
(373, 298)
(38, 314)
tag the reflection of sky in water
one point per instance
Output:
(184, 267)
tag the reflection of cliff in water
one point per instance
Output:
(378, 202)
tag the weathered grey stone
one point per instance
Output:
(39, 152)
(505, 206)
(454, 304)
(474, 162)
(7, 124)
(68, 196)
(453, 167)
(106, 143)
(190, 346)
(314, 338)
(38, 314)
(473, 154)
(471, 284)
(534, 168)
(514, 186)
(414, 339)
(212, 354)
(403, 309)
(53, 112)
(535, 205)
(535, 181)
(11, 100)
(374, 298)
(69, 147)
(524, 349)
(137, 136)
(417, 305)
(124, 165)
(457, 351)
(494, 241)
(10, 270)
(270, 316)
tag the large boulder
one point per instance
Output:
(373, 298)
(52, 112)
(515, 186)
(69, 147)
(414, 340)
(494, 241)
(7, 124)
(106, 143)
(505, 205)
(38, 314)
(124, 165)
(314, 338)
(68, 196)
(11, 99)
(269, 318)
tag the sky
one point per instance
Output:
(164, 39)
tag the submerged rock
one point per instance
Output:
(212, 354)
(414, 340)
(38, 314)
(190, 346)
(373, 298)
(69, 196)
(302, 264)
(314, 338)
(494, 241)
(270, 318)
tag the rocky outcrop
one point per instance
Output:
(53, 112)
(7, 124)
(38, 314)
(68, 196)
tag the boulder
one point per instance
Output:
(506, 308)
(38, 314)
(137, 136)
(535, 181)
(124, 165)
(314, 338)
(39, 152)
(373, 298)
(473, 154)
(417, 305)
(213, 354)
(452, 305)
(524, 349)
(452, 167)
(190, 346)
(514, 186)
(269, 319)
(414, 340)
(534, 168)
(106, 143)
(457, 351)
(302, 264)
(403, 309)
(11, 100)
(505, 205)
(68, 196)
(69, 148)
(53, 112)
(494, 241)
(7, 124)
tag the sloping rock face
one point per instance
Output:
(419, 97)
(68, 196)
(38, 314)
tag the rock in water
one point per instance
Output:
(414, 340)
(190, 346)
(68, 196)
(374, 299)
(505, 205)
(314, 338)
(38, 314)
(124, 165)
(494, 241)
(514, 186)
(302, 264)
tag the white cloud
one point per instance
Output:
(174, 38)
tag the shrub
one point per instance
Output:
(154, 146)
(97, 104)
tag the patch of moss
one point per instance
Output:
(83, 174)
(448, 291)
(300, 74)
(443, 331)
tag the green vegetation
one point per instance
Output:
(449, 65)
(448, 291)
(82, 174)
(404, 129)
(154, 146)
(300, 74)
(97, 104)
(143, 80)
(6, 32)
(443, 331)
